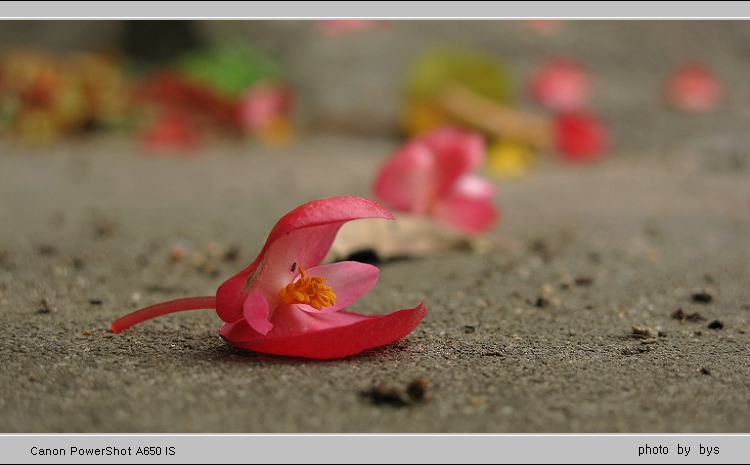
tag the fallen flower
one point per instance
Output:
(264, 110)
(693, 88)
(173, 131)
(428, 176)
(544, 27)
(562, 84)
(580, 137)
(285, 304)
(341, 27)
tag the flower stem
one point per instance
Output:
(179, 305)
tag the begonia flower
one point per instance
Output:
(581, 136)
(341, 27)
(265, 110)
(561, 84)
(173, 130)
(284, 303)
(693, 88)
(430, 176)
(543, 27)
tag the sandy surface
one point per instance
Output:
(535, 336)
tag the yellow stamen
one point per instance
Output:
(309, 291)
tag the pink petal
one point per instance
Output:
(301, 238)
(580, 137)
(340, 27)
(255, 311)
(562, 84)
(173, 130)
(543, 26)
(404, 181)
(470, 215)
(693, 88)
(324, 336)
(348, 280)
(262, 104)
(475, 186)
(426, 168)
(456, 152)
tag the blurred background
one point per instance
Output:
(578, 89)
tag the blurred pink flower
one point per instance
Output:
(562, 84)
(263, 104)
(285, 304)
(429, 176)
(694, 88)
(340, 27)
(543, 27)
(173, 131)
(580, 136)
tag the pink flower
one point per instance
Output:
(174, 130)
(543, 27)
(428, 176)
(285, 304)
(581, 136)
(693, 88)
(562, 84)
(263, 105)
(340, 27)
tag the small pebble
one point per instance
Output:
(47, 307)
(177, 252)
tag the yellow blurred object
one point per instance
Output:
(423, 116)
(432, 73)
(482, 73)
(277, 133)
(508, 158)
(107, 91)
(46, 96)
(36, 126)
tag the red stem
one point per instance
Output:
(179, 305)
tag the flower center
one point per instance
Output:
(309, 291)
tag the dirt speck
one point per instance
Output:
(103, 227)
(702, 297)
(682, 315)
(6, 260)
(232, 253)
(383, 394)
(47, 250)
(79, 261)
(417, 389)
